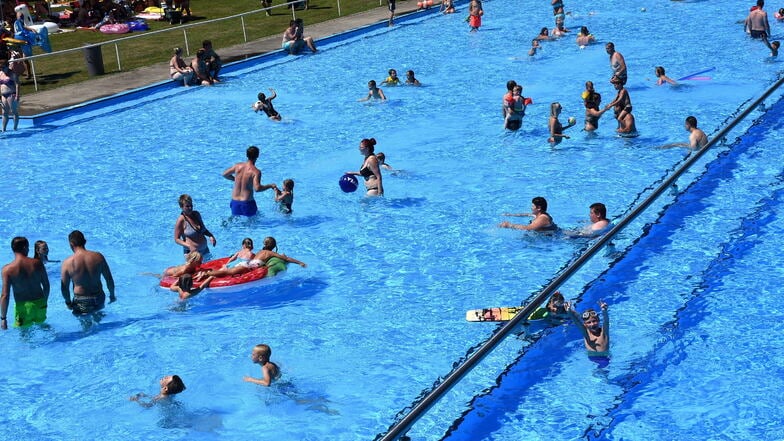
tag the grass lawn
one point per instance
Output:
(56, 71)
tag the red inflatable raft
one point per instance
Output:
(233, 283)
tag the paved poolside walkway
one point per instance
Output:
(106, 85)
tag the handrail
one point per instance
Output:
(399, 428)
(184, 28)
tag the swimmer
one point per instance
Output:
(544, 35)
(596, 336)
(779, 14)
(374, 92)
(662, 77)
(599, 223)
(557, 307)
(697, 138)
(542, 221)
(382, 161)
(447, 7)
(555, 126)
(265, 104)
(584, 38)
(269, 371)
(534, 47)
(592, 100)
(411, 79)
(392, 79)
(41, 252)
(185, 288)
(170, 385)
(774, 48)
(285, 197)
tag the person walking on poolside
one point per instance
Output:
(28, 279)
(757, 24)
(617, 63)
(84, 269)
(475, 13)
(595, 335)
(247, 179)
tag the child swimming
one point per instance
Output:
(374, 92)
(392, 79)
(265, 104)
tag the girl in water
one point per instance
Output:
(662, 78)
(556, 128)
(370, 169)
(268, 257)
(41, 252)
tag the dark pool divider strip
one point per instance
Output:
(476, 354)
(53, 117)
(496, 402)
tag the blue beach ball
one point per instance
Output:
(348, 183)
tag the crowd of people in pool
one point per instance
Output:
(85, 271)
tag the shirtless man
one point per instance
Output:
(617, 63)
(595, 335)
(85, 269)
(247, 178)
(599, 222)
(757, 24)
(697, 138)
(27, 277)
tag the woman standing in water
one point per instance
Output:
(370, 170)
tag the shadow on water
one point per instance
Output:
(268, 296)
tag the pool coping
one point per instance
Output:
(114, 89)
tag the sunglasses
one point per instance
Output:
(589, 314)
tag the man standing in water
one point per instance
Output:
(27, 277)
(757, 24)
(617, 63)
(247, 179)
(85, 269)
(697, 138)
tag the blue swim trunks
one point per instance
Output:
(243, 208)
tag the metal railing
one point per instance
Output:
(184, 28)
(399, 428)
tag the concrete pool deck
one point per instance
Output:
(108, 85)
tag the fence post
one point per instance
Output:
(338, 8)
(35, 79)
(244, 32)
(185, 37)
(117, 52)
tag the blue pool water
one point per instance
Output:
(378, 315)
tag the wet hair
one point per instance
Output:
(270, 243)
(252, 153)
(263, 350)
(369, 144)
(261, 96)
(760, 3)
(175, 386)
(38, 247)
(518, 87)
(659, 71)
(185, 282)
(540, 202)
(372, 83)
(247, 243)
(19, 245)
(193, 256)
(185, 198)
(692, 121)
(610, 45)
(584, 31)
(554, 108)
(544, 31)
(600, 209)
(410, 73)
(556, 297)
(510, 85)
(76, 239)
(392, 70)
(288, 184)
(589, 86)
(381, 157)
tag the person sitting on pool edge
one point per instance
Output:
(269, 371)
(170, 385)
(542, 221)
(596, 335)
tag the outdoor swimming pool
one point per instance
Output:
(378, 315)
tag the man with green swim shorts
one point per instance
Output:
(27, 278)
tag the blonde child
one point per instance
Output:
(185, 288)
(192, 263)
(269, 370)
(285, 197)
